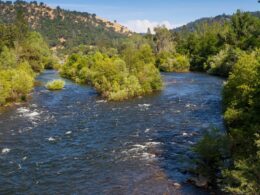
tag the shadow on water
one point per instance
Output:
(73, 142)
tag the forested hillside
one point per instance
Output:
(62, 28)
(191, 26)
(214, 47)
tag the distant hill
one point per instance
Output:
(63, 28)
(220, 18)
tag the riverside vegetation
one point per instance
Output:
(230, 49)
(128, 66)
(55, 85)
(23, 54)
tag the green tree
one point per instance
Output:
(22, 25)
(163, 39)
(36, 52)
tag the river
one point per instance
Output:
(73, 142)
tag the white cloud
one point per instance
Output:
(141, 26)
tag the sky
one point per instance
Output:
(138, 15)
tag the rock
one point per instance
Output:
(200, 181)
(177, 185)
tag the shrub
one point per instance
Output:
(16, 83)
(222, 63)
(211, 150)
(241, 99)
(243, 178)
(36, 51)
(55, 85)
(116, 78)
(168, 62)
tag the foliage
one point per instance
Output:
(245, 30)
(164, 40)
(63, 29)
(169, 62)
(15, 83)
(114, 77)
(222, 63)
(211, 150)
(207, 42)
(236, 57)
(55, 85)
(7, 58)
(36, 51)
(244, 177)
(241, 97)
(22, 53)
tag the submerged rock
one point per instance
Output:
(200, 181)
(177, 185)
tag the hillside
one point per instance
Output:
(63, 28)
(220, 18)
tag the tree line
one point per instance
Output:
(127, 67)
(23, 54)
(230, 49)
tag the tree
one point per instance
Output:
(7, 59)
(163, 39)
(21, 25)
(149, 31)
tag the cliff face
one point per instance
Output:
(63, 28)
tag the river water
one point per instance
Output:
(73, 142)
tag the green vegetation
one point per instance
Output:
(170, 62)
(241, 99)
(61, 28)
(55, 85)
(22, 54)
(211, 150)
(215, 46)
(164, 46)
(121, 67)
(131, 74)
(16, 83)
(237, 58)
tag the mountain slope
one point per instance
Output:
(63, 28)
(220, 18)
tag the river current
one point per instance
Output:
(74, 142)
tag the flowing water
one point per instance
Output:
(73, 142)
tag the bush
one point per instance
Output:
(168, 62)
(222, 63)
(211, 150)
(16, 83)
(241, 100)
(36, 52)
(21, 53)
(55, 85)
(116, 78)
(243, 177)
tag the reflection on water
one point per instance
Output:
(73, 142)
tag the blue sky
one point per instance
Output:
(140, 14)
